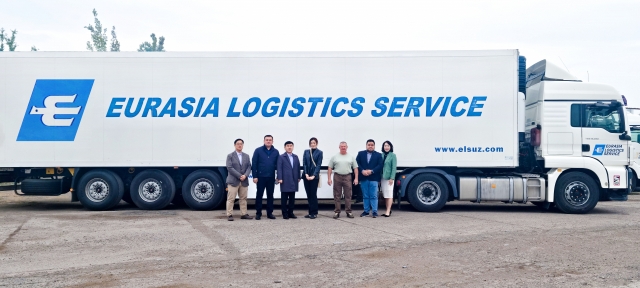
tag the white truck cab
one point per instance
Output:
(580, 137)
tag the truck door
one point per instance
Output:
(604, 135)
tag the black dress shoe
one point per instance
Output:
(293, 216)
(258, 217)
(312, 216)
(285, 217)
(308, 216)
(271, 216)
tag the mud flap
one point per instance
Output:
(620, 194)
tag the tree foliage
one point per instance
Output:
(33, 48)
(156, 45)
(115, 44)
(99, 36)
(9, 40)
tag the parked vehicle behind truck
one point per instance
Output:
(152, 128)
(634, 146)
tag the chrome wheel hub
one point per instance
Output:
(202, 190)
(97, 190)
(150, 190)
(577, 193)
(429, 192)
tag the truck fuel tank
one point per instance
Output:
(517, 188)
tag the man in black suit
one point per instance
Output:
(289, 178)
(370, 164)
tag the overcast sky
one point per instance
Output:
(601, 37)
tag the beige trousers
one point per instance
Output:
(231, 197)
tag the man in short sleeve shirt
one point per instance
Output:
(343, 164)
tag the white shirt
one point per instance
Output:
(239, 157)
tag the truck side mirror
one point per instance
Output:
(624, 136)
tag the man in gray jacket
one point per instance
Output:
(239, 168)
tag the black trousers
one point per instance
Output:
(312, 194)
(267, 183)
(288, 200)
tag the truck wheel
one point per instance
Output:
(634, 182)
(100, 190)
(203, 190)
(576, 193)
(152, 189)
(428, 192)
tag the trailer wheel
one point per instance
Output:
(152, 189)
(100, 190)
(428, 192)
(576, 193)
(203, 190)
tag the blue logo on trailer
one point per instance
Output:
(598, 150)
(55, 110)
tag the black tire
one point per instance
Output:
(51, 187)
(203, 190)
(100, 190)
(428, 192)
(152, 189)
(634, 182)
(576, 193)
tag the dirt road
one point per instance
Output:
(48, 241)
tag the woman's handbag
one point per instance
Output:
(314, 165)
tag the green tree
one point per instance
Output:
(156, 45)
(99, 36)
(33, 48)
(10, 41)
(115, 44)
(2, 36)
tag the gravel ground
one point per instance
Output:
(49, 241)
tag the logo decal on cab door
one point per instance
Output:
(608, 150)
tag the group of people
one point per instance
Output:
(369, 169)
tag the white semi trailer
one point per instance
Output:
(152, 128)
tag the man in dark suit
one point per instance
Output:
(370, 164)
(239, 168)
(288, 177)
(264, 162)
